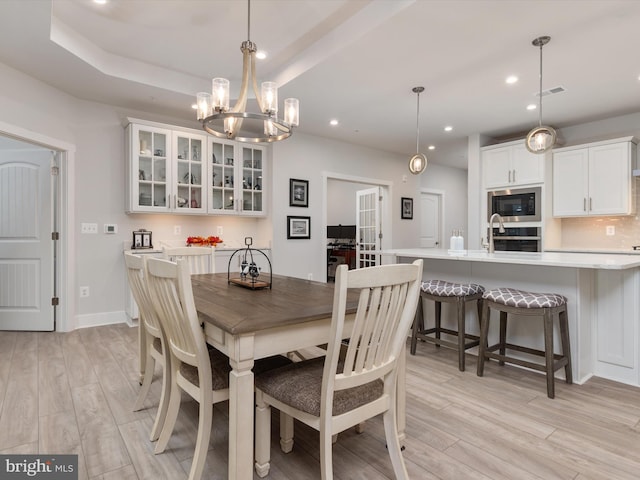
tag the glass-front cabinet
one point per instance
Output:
(177, 170)
(237, 172)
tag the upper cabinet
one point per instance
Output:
(237, 178)
(511, 164)
(594, 179)
(176, 170)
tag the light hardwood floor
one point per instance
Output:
(73, 393)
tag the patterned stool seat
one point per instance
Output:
(442, 288)
(522, 299)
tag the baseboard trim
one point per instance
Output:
(98, 319)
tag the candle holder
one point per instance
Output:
(250, 275)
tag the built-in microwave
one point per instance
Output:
(516, 204)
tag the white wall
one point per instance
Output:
(341, 201)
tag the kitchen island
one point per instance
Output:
(603, 292)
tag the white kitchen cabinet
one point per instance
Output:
(165, 170)
(511, 164)
(594, 179)
(237, 178)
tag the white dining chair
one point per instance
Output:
(200, 372)
(200, 259)
(154, 339)
(332, 394)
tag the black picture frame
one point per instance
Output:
(298, 228)
(406, 208)
(298, 192)
(141, 239)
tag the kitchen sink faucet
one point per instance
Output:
(494, 217)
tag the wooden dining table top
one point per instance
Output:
(237, 309)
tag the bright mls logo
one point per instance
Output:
(50, 467)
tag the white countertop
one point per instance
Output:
(605, 261)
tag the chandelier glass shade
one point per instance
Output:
(237, 123)
(541, 138)
(418, 162)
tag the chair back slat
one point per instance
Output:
(387, 302)
(172, 296)
(200, 259)
(137, 276)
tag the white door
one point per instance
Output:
(26, 246)
(368, 228)
(430, 207)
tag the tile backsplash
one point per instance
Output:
(590, 232)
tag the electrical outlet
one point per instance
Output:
(84, 292)
(219, 230)
(611, 230)
(177, 230)
(309, 276)
(89, 228)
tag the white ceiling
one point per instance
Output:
(354, 60)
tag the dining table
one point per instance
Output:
(248, 324)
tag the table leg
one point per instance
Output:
(241, 409)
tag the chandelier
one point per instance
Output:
(418, 162)
(236, 123)
(541, 138)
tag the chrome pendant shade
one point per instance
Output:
(541, 138)
(418, 163)
(238, 124)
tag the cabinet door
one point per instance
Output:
(570, 183)
(252, 171)
(496, 167)
(222, 175)
(526, 167)
(149, 169)
(610, 179)
(189, 164)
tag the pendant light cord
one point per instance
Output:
(418, 125)
(249, 23)
(540, 95)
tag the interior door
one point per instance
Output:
(368, 228)
(430, 207)
(26, 245)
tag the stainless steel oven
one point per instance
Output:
(517, 239)
(515, 205)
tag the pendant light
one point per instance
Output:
(418, 162)
(541, 138)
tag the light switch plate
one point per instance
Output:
(611, 230)
(89, 228)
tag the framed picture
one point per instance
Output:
(141, 239)
(298, 193)
(407, 208)
(298, 227)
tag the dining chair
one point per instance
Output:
(200, 259)
(200, 372)
(332, 394)
(154, 339)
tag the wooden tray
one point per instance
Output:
(249, 283)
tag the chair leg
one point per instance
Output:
(461, 332)
(205, 419)
(172, 408)
(503, 335)
(566, 349)
(286, 432)
(393, 444)
(438, 321)
(326, 453)
(548, 351)
(164, 401)
(484, 331)
(149, 369)
(418, 322)
(263, 436)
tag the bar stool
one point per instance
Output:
(448, 292)
(545, 305)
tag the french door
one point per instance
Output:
(368, 227)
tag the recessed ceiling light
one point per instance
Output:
(511, 79)
(261, 55)
(100, 2)
(431, 147)
(531, 106)
(333, 122)
(448, 128)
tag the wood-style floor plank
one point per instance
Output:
(73, 393)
